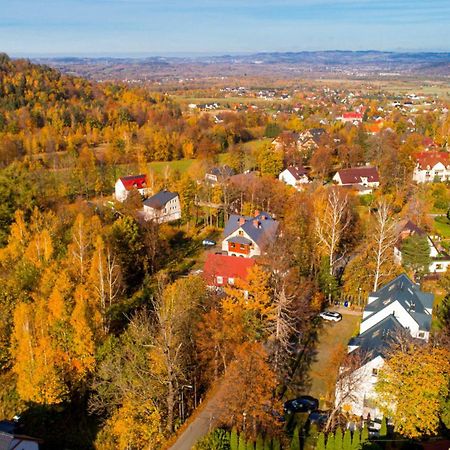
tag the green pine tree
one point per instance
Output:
(242, 442)
(250, 445)
(364, 434)
(267, 443)
(321, 442)
(330, 442)
(310, 441)
(234, 441)
(259, 443)
(295, 442)
(338, 439)
(416, 254)
(347, 441)
(356, 440)
(383, 429)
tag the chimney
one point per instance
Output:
(241, 220)
(257, 212)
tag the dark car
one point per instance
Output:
(306, 403)
(320, 418)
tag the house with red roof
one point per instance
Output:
(364, 179)
(432, 166)
(351, 117)
(125, 185)
(225, 270)
(295, 176)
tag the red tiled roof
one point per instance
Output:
(298, 171)
(227, 267)
(354, 175)
(430, 159)
(134, 181)
(352, 115)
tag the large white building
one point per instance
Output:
(163, 207)
(398, 307)
(432, 166)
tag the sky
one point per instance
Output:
(172, 27)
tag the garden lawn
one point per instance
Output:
(442, 226)
(331, 337)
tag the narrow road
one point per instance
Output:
(205, 420)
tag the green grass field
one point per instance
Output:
(442, 226)
(181, 165)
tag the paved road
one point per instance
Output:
(205, 421)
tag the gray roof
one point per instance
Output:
(261, 229)
(6, 440)
(160, 200)
(409, 295)
(223, 171)
(377, 340)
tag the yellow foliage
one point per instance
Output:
(411, 387)
(135, 425)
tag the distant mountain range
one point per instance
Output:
(340, 63)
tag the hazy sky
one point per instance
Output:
(89, 27)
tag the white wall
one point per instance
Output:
(254, 249)
(171, 211)
(428, 175)
(363, 387)
(405, 319)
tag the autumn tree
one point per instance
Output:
(174, 307)
(332, 221)
(254, 399)
(411, 388)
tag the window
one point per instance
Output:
(242, 247)
(374, 372)
(241, 233)
(230, 280)
(219, 280)
(421, 334)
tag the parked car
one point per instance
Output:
(208, 243)
(318, 417)
(332, 316)
(305, 403)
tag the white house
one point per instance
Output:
(163, 207)
(295, 176)
(248, 236)
(219, 174)
(125, 185)
(364, 178)
(398, 307)
(439, 259)
(432, 166)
